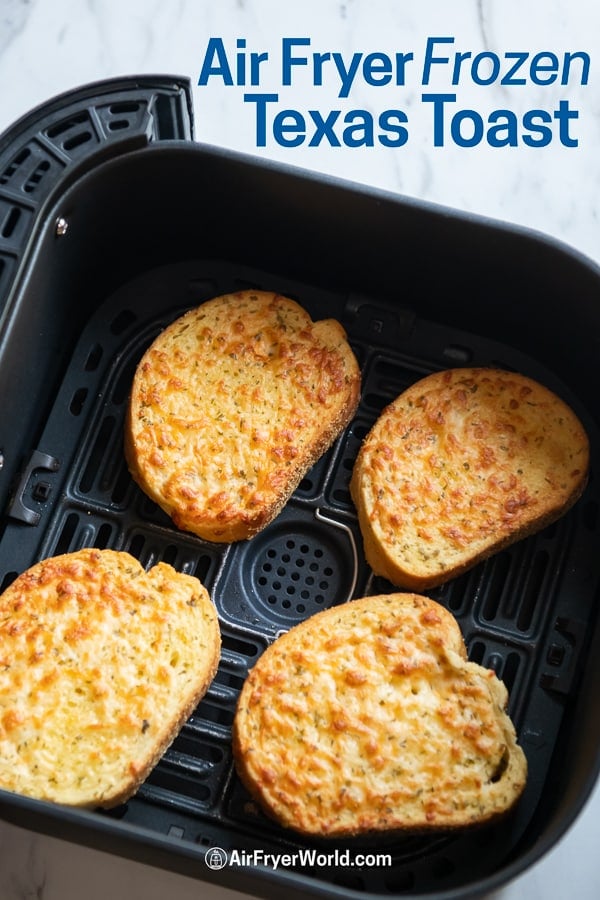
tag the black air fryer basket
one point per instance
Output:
(113, 221)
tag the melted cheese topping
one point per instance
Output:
(230, 407)
(461, 463)
(368, 717)
(100, 662)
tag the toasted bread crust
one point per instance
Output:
(368, 718)
(231, 406)
(101, 664)
(461, 464)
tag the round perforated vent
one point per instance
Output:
(297, 569)
(295, 575)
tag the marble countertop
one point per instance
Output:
(51, 46)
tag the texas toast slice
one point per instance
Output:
(368, 717)
(463, 463)
(230, 407)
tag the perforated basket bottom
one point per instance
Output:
(523, 613)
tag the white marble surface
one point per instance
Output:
(50, 46)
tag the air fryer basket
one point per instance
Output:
(112, 223)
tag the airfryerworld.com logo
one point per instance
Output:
(217, 858)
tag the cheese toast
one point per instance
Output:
(101, 663)
(463, 463)
(367, 717)
(230, 407)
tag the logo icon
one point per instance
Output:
(216, 858)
